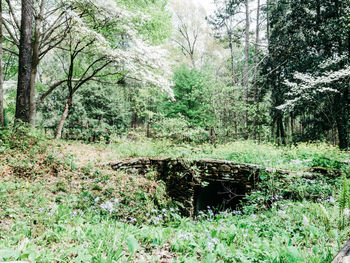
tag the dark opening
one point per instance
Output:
(219, 196)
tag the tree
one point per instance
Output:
(104, 47)
(256, 62)
(50, 26)
(308, 92)
(303, 35)
(246, 53)
(224, 22)
(2, 119)
(189, 86)
(190, 30)
(25, 62)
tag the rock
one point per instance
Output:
(182, 176)
(224, 168)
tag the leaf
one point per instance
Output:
(9, 253)
(133, 245)
(210, 258)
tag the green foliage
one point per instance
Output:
(158, 27)
(344, 195)
(189, 90)
(344, 201)
(304, 34)
(22, 137)
(97, 113)
(297, 157)
(96, 209)
(323, 161)
(179, 130)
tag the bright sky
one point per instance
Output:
(207, 4)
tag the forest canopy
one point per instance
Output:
(271, 70)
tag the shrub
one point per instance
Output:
(179, 129)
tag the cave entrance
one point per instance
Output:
(219, 196)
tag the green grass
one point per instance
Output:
(300, 157)
(46, 231)
(56, 206)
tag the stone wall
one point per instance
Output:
(185, 179)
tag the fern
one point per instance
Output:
(325, 215)
(343, 198)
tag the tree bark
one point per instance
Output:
(35, 62)
(25, 63)
(246, 71)
(281, 135)
(2, 118)
(268, 22)
(64, 117)
(257, 36)
(342, 118)
(232, 60)
(233, 79)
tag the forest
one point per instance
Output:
(254, 91)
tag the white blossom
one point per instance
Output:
(306, 87)
(134, 57)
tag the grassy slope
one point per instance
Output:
(66, 205)
(298, 157)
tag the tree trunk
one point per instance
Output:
(2, 118)
(257, 36)
(342, 118)
(35, 62)
(32, 108)
(232, 60)
(342, 133)
(281, 135)
(268, 22)
(25, 62)
(64, 117)
(246, 71)
(233, 80)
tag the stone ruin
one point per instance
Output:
(197, 184)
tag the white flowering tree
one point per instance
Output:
(103, 46)
(326, 90)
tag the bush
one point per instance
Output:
(21, 137)
(179, 129)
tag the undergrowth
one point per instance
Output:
(56, 206)
(299, 157)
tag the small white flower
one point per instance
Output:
(210, 246)
(305, 221)
(346, 212)
(107, 206)
(185, 236)
(330, 199)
